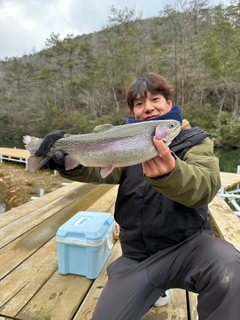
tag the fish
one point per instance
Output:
(108, 146)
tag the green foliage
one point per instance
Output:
(205, 117)
(80, 122)
(76, 83)
(229, 131)
(10, 133)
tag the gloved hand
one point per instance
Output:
(56, 162)
(58, 158)
(48, 142)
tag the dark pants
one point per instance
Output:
(203, 264)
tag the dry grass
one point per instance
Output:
(18, 185)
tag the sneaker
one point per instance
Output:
(164, 299)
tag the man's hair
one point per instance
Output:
(148, 82)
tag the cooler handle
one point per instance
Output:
(82, 221)
(109, 238)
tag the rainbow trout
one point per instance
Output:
(108, 146)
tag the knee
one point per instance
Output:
(224, 265)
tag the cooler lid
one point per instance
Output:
(86, 226)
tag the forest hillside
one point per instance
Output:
(78, 82)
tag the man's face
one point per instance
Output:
(152, 106)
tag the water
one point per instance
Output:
(229, 159)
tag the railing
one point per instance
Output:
(232, 195)
(14, 154)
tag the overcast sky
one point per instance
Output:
(26, 24)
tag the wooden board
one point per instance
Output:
(229, 180)
(31, 287)
(54, 214)
(15, 153)
(107, 201)
(192, 302)
(27, 279)
(226, 222)
(23, 210)
(86, 310)
(58, 286)
(175, 309)
(24, 242)
(58, 299)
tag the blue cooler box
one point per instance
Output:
(84, 243)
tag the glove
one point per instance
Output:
(56, 162)
(48, 142)
(58, 159)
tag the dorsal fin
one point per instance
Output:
(103, 127)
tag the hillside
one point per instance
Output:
(78, 82)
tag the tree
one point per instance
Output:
(17, 77)
(59, 54)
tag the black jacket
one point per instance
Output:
(150, 221)
(154, 214)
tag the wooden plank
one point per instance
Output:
(76, 200)
(226, 222)
(229, 179)
(175, 309)
(192, 301)
(33, 239)
(23, 210)
(46, 295)
(23, 282)
(58, 299)
(15, 153)
(107, 201)
(86, 310)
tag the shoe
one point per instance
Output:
(164, 299)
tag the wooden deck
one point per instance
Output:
(31, 287)
(14, 154)
(229, 179)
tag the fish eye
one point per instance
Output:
(172, 125)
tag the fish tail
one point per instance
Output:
(32, 144)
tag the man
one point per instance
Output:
(161, 208)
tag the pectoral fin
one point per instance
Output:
(104, 172)
(71, 162)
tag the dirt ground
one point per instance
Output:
(18, 185)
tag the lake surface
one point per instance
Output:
(229, 159)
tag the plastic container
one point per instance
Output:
(84, 243)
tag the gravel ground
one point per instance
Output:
(18, 185)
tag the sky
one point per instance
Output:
(26, 24)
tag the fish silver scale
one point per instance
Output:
(119, 146)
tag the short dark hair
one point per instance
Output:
(148, 82)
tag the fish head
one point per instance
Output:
(167, 130)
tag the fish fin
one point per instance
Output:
(103, 127)
(35, 163)
(32, 144)
(71, 162)
(104, 172)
